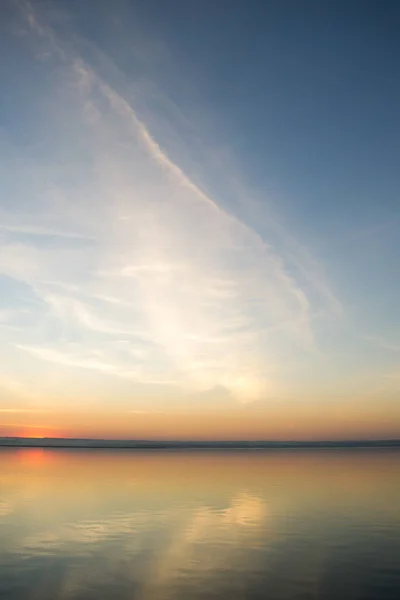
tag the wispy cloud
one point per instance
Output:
(384, 343)
(38, 230)
(70, 359)
(202, 297)
(105, 359)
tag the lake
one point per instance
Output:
(183, 525)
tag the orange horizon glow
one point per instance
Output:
(37, 432)
(240, 424)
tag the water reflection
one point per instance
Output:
(182, 525)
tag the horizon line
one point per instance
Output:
(18, 441)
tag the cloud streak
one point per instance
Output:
(199, 297)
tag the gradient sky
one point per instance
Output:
(199, 219)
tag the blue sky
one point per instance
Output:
(199, 211)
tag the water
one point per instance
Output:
(176, 525)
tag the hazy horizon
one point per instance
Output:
(240, 443)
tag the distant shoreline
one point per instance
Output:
(9, 442)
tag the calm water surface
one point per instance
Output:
(175, 525)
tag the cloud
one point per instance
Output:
(17, 389)
(203, 300)
(104, 359)
(383, 343)
(37, 230)
(70, 359)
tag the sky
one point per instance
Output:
(199, 219)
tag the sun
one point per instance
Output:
(38, 432)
